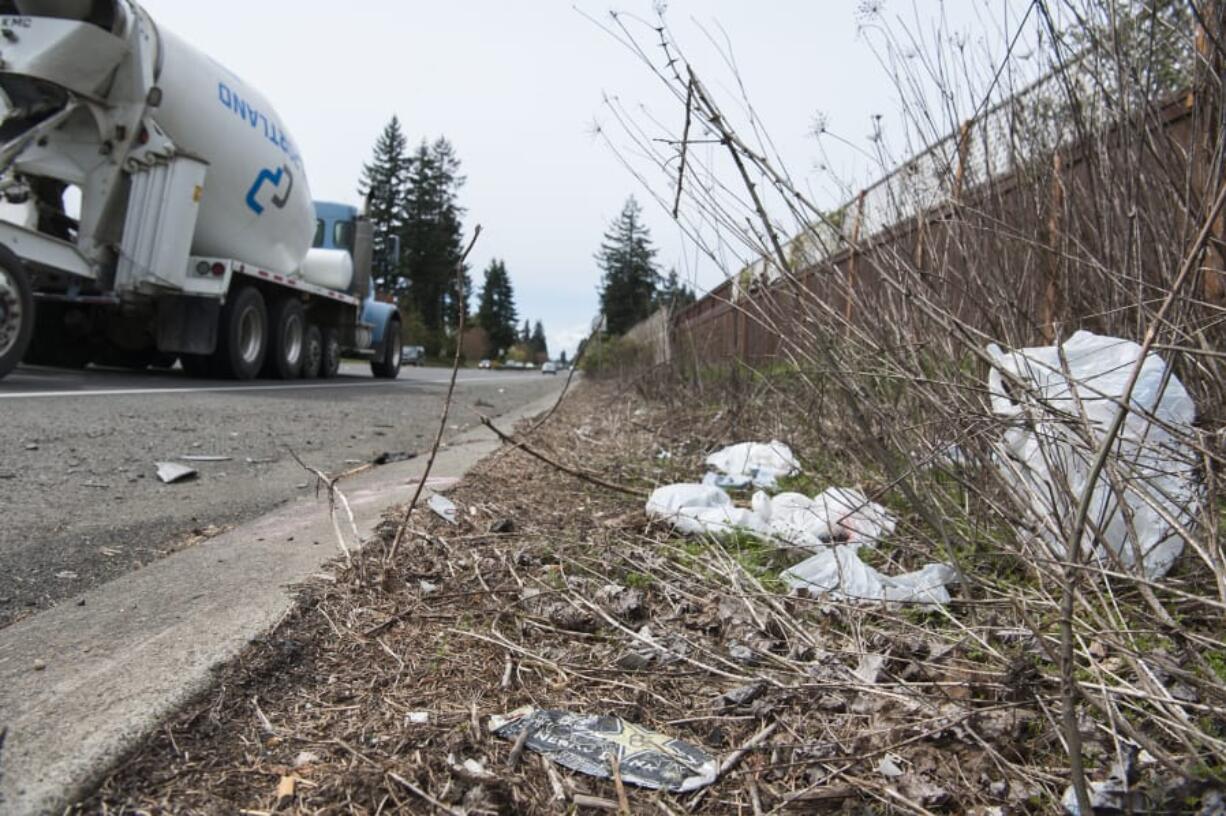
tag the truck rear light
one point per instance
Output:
(219, 269)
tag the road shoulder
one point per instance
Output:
(82, 683)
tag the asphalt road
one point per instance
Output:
(80, 501)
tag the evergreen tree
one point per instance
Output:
(628, 287)
(383, 185)
(673, 294)
(538, 342)
(562, 358)
(432, 240)
(496, 310)
(525, 336)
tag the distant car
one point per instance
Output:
(413, 355)
(549, 368)
(485, 364)
(530, 366)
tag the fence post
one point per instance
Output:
(1053, 265)
(853, 258)
(964, 154)
(1206, 96)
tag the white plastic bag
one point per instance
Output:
(696, 509)
(760, 464)
(837, 515)
(1046, 458)
(839, 573)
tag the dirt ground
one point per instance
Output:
(553, 591)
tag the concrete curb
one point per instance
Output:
(81, 684)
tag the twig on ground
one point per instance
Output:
(442, 424)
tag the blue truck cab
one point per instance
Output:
(342, 226)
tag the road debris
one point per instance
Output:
(591, 744)
(203, 459)
(1149, 483)
(171, 472)
(444, 508)
(391, 457)
(756, 463)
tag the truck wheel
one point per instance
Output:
(286, 333)
(16, 311)
(312, 352)
(242, 336)
(330, 364)
(387, 365)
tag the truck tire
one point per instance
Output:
(286, 335)
(16, 311)
(330, 364)
(242, 336)
(312, 352)
(387, 365)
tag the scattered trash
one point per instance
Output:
(263, 461)
(390, 457)
(427, 588)
(40, 665)
(837, 515)
(741, 696)
(502, 527)
(762, 464)
(586, 743)
(205, 459)
(170, 472)
(305, 758)
(66, 575)
(444, 508)
(1047, 448)
(695, 509)
(840, 573)
(1111, 795)
(889, 767)
(417, 717)
(33, 446)
(664, 456)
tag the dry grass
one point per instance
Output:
(586, 606)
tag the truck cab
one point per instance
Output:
(341, 226)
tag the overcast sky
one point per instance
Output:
(518, 86)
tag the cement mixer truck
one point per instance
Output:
(194, 236)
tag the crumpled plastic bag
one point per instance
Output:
(1047, 460)
(837, 515)
(840, 573)
(695, 509)
(756, 463)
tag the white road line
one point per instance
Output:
(213, 389)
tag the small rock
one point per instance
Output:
(40, 665)
(502, 527)
(32, 447)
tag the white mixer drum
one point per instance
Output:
(329, 268)
(257, 203)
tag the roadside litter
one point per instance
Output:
(206, 459)
(590, 744)
(1150, 478)
(840, 573)
(832, 525)
(444, 508)
(171, 472)
(696, 509)
(752, 463)
(391, 457)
